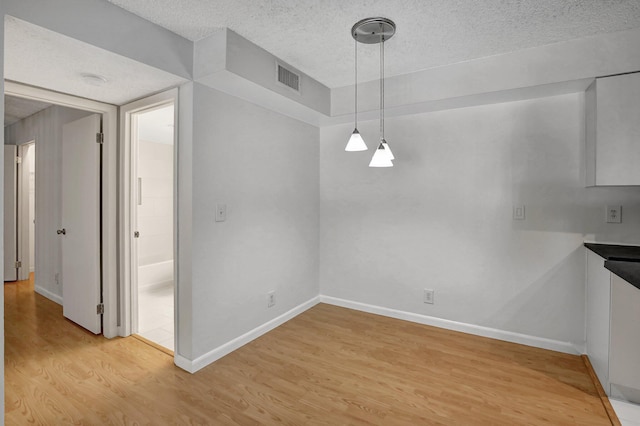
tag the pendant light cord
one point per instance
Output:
(381, 84)
(356, 78)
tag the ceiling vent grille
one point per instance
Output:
(288, 78)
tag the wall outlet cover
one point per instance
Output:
(518, 212)
(614, 214)
(428, 296)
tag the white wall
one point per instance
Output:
(45, 127)
(2, 12)
(184, 225)
(442, 217)
(264, 167)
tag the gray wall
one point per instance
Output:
(264, 167)
(2, 12)
(45, 127)
(442, 217)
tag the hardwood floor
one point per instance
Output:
(328, 366)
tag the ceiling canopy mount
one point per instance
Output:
(373, 30)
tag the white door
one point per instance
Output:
(25, 207)
(10, 209)
(80, 228)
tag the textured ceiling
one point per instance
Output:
(43, 58)
(15, 109)
(314, 35)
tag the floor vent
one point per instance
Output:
(288, 78)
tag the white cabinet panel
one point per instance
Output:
(624, 357)
(598, 310)
(613, 135)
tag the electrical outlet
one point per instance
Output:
(428, 296)
(614, 214)
(271, 299)
(518, 212)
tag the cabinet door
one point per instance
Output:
(624, 358)
(617, 156)
(598, 299)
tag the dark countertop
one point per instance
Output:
(624, 261)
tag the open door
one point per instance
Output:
(26, 209)
(80, 231)
(10, 210)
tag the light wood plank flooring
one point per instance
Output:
(328, 366)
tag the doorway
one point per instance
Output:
(19, 211)
(150, 137)
(75, 116)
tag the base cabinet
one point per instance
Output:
(598, 307)
(624, 351)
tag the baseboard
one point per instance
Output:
(477, 330)
(613, 417)
(508, 336)
(46, 293)
(227, 348)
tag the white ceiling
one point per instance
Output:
(314, 35)
(15, 109)
(43, 58)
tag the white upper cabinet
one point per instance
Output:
(613, 131)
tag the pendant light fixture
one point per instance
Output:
(356, 143)
(372, 31)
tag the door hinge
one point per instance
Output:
(18, 264)
(99, 137)
(18, 160)
(100, 309)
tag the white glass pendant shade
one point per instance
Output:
(387, 149)
(380, 158)
(356, 143)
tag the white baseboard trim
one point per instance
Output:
(494, 333)
(46, 293)
(227, 348)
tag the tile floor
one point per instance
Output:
(155, 314)
(628, 414)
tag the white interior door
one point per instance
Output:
(25, 206)
(10, 209)
(80, 230)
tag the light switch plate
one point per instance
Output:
(614, 214)
(518, 212)
(221, 212)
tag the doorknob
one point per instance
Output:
(61, 231)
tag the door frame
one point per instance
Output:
(109, 188)
(128, 276)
